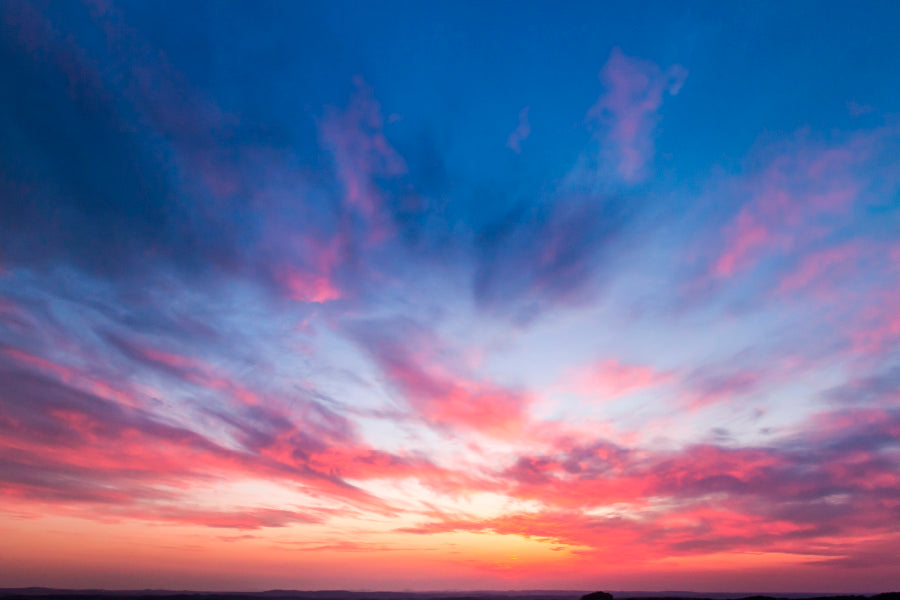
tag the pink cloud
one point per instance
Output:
(815, 493)
(30, 360)
(857, 284)
(611, 378)
(798, 199)
(629, 109)
(315, 278)
(712, 389)
(440, 390)
(872, 324)
(449, 399)
(819, 269)
(744, 238)
(308, 287)
(876, 329)
(79, 378)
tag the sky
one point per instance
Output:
(450, 295)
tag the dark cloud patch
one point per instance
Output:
(882, 387)
(311, 428)
(113, 163)
(536, 257)
(81, 181)
(66, 483)
(39, 409)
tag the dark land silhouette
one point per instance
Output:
(37, 593)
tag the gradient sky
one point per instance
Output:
(469, 295)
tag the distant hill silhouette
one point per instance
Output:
(62, 594)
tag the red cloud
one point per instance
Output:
(817, 494)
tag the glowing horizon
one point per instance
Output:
(427, 296)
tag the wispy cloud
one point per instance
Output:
(611, 378)
(628, 112)
(411, 359)
(520, 133)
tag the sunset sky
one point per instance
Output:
(450, 295)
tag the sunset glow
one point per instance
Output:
(466, 296)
